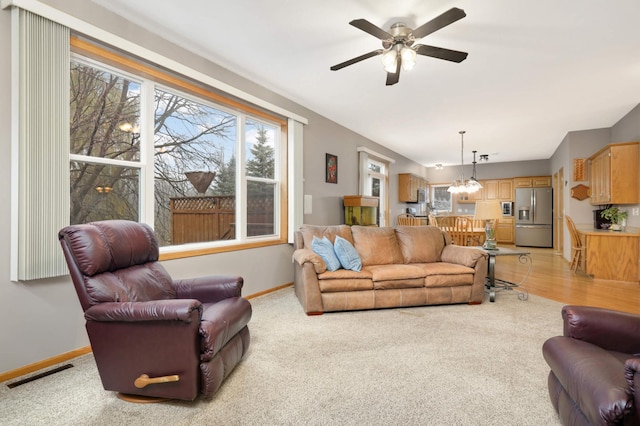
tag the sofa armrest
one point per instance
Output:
(181, 310)
(467, 256)
(306, 285)
(302, 256)
(608, 329)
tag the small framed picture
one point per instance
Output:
(331, 168)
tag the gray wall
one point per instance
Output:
(491, 170)
(583, 144)
(43, 318)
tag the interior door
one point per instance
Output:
(558, 212)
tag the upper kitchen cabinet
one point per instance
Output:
(408, 187)
(532, 182)
(498, 189)
(614, 175)
(466, 198)
(493, 189)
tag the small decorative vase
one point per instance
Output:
(616, 227)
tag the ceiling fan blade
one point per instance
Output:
(368, 27)
(440, 53)
(394, 77)
(448, 17)
(358, 59)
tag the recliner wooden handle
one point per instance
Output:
(145, 380)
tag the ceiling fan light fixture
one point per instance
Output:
(408, 56)
(390, 60)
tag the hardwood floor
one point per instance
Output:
(552, 278)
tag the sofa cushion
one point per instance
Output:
(420, 244)
(443, 274)
(444, 268)
(396, 276)
(347, 254)
(377, 246)
(309, 231)
(345, 280)
(324, 249)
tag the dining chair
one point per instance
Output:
(460, 232)
(447, 223)
(433, 221)
(577, 248)
(407, 219)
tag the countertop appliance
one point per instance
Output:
(534, 217)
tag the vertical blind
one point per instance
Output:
(43, 144)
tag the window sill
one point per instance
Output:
(186, 251)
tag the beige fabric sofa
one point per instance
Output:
(402, 266)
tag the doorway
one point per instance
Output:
(558, 202)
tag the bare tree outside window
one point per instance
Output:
(100, 102)
(191, 139)
(189, 136)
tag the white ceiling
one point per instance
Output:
(536, 69)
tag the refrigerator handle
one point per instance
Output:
(533, 206)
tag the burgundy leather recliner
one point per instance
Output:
(595, 367)
(150, 335)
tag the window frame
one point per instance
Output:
(149, 75)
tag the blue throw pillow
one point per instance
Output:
(324, 249)
(347, 254)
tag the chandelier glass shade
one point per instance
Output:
(461, 186)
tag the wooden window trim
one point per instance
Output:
(99, 53)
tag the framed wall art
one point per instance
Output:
(331, 167)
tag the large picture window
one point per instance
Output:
(198, 171)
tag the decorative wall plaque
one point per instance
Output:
(579, 169)
(580, 192)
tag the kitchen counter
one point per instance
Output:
(628, 231)
(611, 255)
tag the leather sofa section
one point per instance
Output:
(377, 246)
(402, 266)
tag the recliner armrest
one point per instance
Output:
(183, 310)
(209, 289)
(608, 329)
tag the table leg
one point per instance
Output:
(492, 278)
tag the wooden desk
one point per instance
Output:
(611, 255)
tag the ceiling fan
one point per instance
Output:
(399, 50)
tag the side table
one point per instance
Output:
(494, 283)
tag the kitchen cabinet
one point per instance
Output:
(464, 198)
(614, 176)
(498, 189)
(408, 186)
(611, 255)
(493, 189)
(532, 182)
(505, 230)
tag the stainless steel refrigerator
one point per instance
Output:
(534, 217)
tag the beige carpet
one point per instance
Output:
(437, 365)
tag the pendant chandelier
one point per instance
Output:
(462, 186)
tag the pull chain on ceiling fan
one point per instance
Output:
(399, 50)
